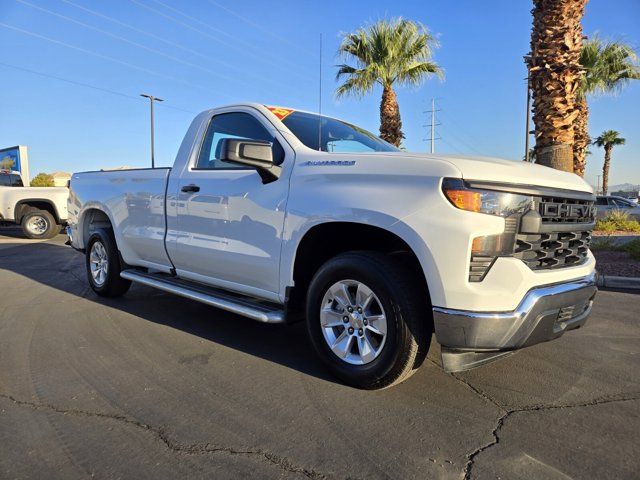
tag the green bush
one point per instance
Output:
(42, 180)
(632, 248)
(604, 243)
(617, 221)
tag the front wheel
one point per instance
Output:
(103, 265)
(368, 320)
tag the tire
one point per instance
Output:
(375, 361)
(39, 224)
(102, 253)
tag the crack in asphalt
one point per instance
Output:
(532, 408)
(186, 449)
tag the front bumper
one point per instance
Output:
(470, 339)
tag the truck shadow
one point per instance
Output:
(57, 266)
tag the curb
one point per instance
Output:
(611, 281)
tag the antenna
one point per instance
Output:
(320, 97)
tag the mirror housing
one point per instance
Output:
(251, 153)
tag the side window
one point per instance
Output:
(16, 181)
(233, 125)
(619, 203)
(601, 201)
(5, 180)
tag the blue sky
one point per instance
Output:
(202, 53)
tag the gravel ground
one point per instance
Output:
(616, 263)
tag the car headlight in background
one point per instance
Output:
(491, 202)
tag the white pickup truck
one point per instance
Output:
(39, 210)
(278, 215)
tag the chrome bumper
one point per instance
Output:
(470, 339)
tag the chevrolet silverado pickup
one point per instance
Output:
(39, 210)
(282, 215)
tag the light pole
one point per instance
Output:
(151, 100)
(528, 118)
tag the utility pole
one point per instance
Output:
(151, 100)
(528, 119)
(432, 125)
(598, 187)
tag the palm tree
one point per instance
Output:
(387, 53)
(607, 139)
(608, 67)
(555, 75)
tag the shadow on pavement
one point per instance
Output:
(60, 267)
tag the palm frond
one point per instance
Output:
(608, 66)
(386, 52)
(609, 137)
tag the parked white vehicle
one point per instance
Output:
(39, 210)
(610, 203)
(375, 247)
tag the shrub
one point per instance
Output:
(605, 243)
(617, 220)
(632, 248)
(42, 180)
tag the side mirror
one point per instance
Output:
(252, 153)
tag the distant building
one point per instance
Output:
(60, 179)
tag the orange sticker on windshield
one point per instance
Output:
(281, 112)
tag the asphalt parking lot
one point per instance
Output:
(155, 386)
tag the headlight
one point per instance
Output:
(491, 202)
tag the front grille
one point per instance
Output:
(565, 210)
(552, 250)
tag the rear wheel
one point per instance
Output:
(103, 265)
(39, 224)
(367, 319)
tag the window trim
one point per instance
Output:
(194, 162)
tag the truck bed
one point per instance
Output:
(134, 200)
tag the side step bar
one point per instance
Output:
(246, 306)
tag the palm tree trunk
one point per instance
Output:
(390, 123)
(605, 168)
(555, 72)
(581, 138)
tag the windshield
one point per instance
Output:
(333, 135)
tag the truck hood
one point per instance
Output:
(493, 169)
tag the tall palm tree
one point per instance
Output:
(555, 75)
(387, 53)
(607, 139)
(608, 67)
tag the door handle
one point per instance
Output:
(190, 188)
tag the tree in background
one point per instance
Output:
(43, 180)
(608, 67)
(607, 139)
(7, 163)
(555, 76)
(387, 53)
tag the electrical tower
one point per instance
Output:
(432, 126)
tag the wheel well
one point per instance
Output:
(23, 207)
(327, 240)
(93, 219)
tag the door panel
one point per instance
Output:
(228, 233)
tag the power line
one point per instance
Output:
(87, 85)
(459, 134)
(131, 42)
(256, 25)
(111, 59)
(236, 45)
(215, 60)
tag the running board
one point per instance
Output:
(255, 309)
